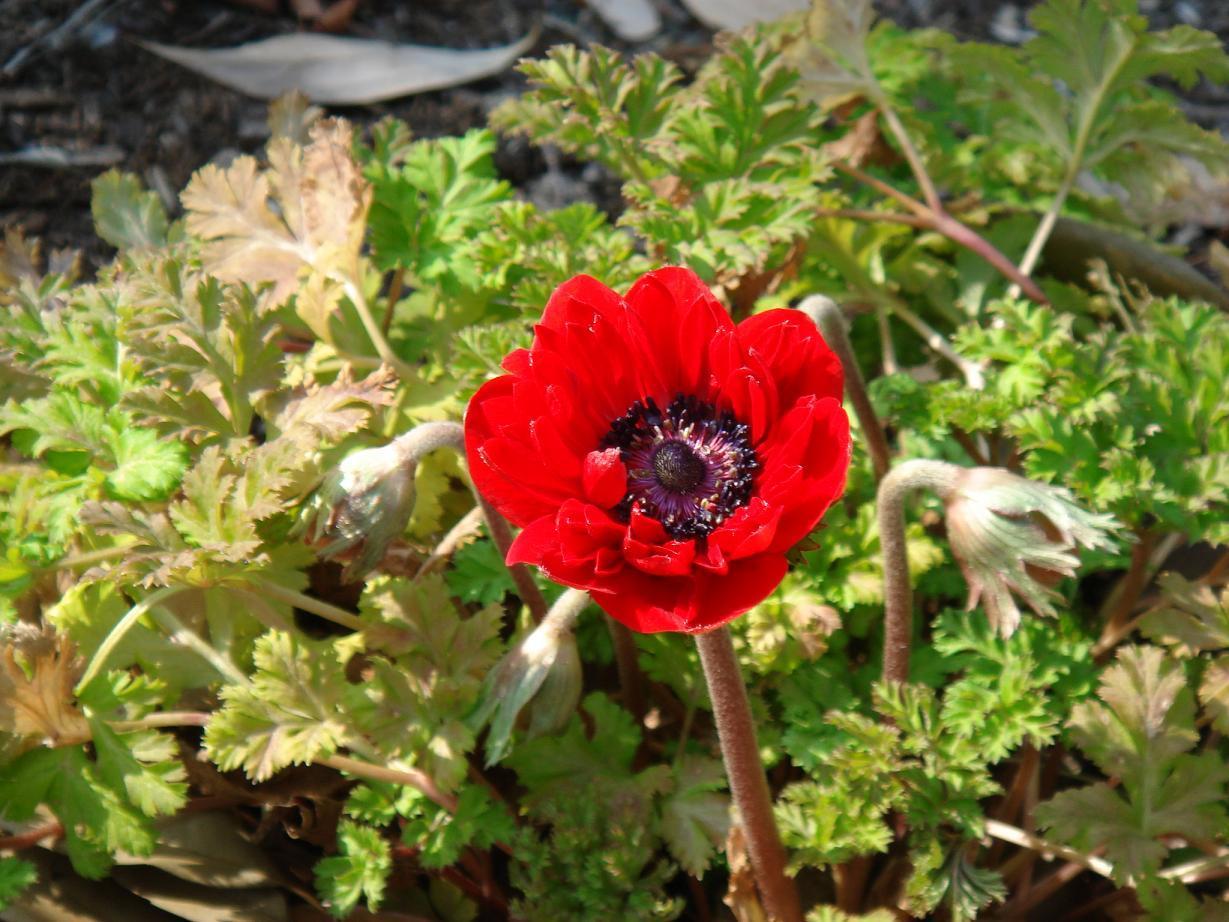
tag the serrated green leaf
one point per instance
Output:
(146, 468)
(1192, 616)
(358, 872)
(1214, 692)
(289, 713)
(478, 574)
(16, 874)
(97, 820)
(144, 765)
(125, 215)
(478, 821)
(695, 815)
(1142, 734)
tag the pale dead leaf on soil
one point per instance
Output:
(338, 70)
(196, 903)
(631, 20)
(305, 214)
(207, 849)
(734, 14)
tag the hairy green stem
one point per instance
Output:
(193, 641)
(122, 627)
(1083, 132)
(912, 156)
(748, 783)
(411, 777)
(89, 558)
(374, 333)
(895, 488)
(308, 603)
(831, 322)
(971, 371)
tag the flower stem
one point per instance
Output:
(748, 783)
(831, 322)
(897, 591)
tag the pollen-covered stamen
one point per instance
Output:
(688, 466)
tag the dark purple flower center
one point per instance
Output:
(688, 466)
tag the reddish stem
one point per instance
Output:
(627, 662)
(748, 783)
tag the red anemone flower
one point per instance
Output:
(657, 455)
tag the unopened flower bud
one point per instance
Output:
(1014, 535)
(538, 680)
(366, 502)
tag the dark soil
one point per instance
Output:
(92, 95)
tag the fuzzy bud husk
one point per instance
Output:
(538, 682)
(1014, 535)
(362, 505)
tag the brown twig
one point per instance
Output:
(31, 837)
(627, 662)
(825, 314)
(1125, 595)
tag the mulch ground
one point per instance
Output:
(93, 98)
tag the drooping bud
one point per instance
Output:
(1012, 535)
(538, 680)
(366, 501)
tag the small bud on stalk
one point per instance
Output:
(540, 676)
(366, 501)
(1014, 535)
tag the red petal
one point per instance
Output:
(537, 540)
(805, 463)
(679, 316)
(605, 478)
(485, 419)
(693, 604)
(749, 531)
(649, 548)
(795, 354)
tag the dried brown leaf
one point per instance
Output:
(304, 215)
(41, 705)
(741, 896)
(291, 116)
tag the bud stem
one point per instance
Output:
(918, 474)
(825, 314)
(428, 437)
(748, 783)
